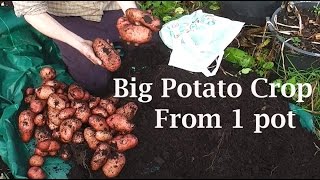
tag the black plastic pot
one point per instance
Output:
(250, 12)
(301, 59)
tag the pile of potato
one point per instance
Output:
(60, 115)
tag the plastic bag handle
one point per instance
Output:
(207, 72)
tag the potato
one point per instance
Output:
(114, 165)
(100, 111)
(65, 152)
(29, 98)
(98, 123)
(56, 134)
(57, 101)
(40, 153)
(78, 137)
(26, 125)
(47, 73)
(107, 54)
(44, 145)
(54, 146)
(78, 104)
(66, 113)
(29, 91)
(36, 173)
(39, 120)
(83, 113)
(53, 153)
(86, 96)
(59, 91)
(36, 161)
(89, 136)
(94, 102)
(120, 123)
(37, 105)
(52, 83)
(75, 92)
(62, 85)
(100, 156)
(52, 126)
(129, 110)
(125, 142)
(53, 116)
(42, 134)
(68, 127)
(103, 136)
(108, 105)
(43, 92)
(139, 17)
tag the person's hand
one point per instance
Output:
(86, 49)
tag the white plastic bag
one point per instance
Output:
(199, 39)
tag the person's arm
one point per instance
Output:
(48, 26)
(126, 5)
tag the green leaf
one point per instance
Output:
(246, 70)
(214, 7)
(268, 65)
(292, 80)
(179, 10)
(166, 18)
(239, 57)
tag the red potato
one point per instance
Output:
(36, 161)
(78, 104)
(107, 54)
(36, 173)
(54, 146)
(26, 125)
(120, 123)
(56, 134)
(114, 165)
(47, 73)
(129, 110)
(125, 142)
(37, 105)
(40, 153)
(65, 153)
(29, 91)
(39, 120)
(66, 113)
(42, 134)
(89, 136)
(108, 105)
(57, 101)
(139, 17)
(68, 127)
(78, 138)
(132, 33)
(29, 98)
(100, 156)
(98, 123)
(43, 92)
(100, 111)
(59, 91)
(86, 96)
(62, 85)
(94, 102)
(52, 126)
(53, 117)
(83, 113)
(53, 153)
(114, 100)
(44, 145)
(75, 92)
(52, 83)
(103, 136)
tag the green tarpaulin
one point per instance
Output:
(23, 52)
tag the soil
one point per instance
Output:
(311, 25)
(209, 153)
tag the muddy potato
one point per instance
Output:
(125, 142)
(36, 161)
(100, 156)
(114, 100)
(57, 101)
(66, 113)
(53, 116)
(37, 105)
(78, 138)
(86, 96)
(29, 98)
(52, 83)
(108, 105)
(139, 17)
(103, 136)
(100, 111)
(42, 134)
(43, 92)
(47, 73)
(39, 120)
(51, 125)
(129, 110)
(59, 91)
(62, 85)
(44, 145)
(68, 127)
(120, 123)
(83, 113)
(114, 165)
(40, 153)
(36, 173)
(29, 91)
(98, 123)
(78, 104)
(75, 92)
(65, 152)
(54, 146)
(26, 125)
(56, 134)
(94, 102)
(90, 137)
(53, 153)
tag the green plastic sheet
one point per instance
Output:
(23, 52)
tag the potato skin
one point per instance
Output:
(29, 98)
(42, 134)
(114, 165)
(108, 106)
(29, 91)
(52, 83)
(94, 102)
(66, 113)
(89, 136)
(107, 54)
(43, 92)
(56, 101)
(40, 153)
(129, 110)
(137, 16)
(120, 123)
(39, 120)
(65, 153)
(47, 73)
(75, 92)
(100, 111)
(53, 117)
(36, 173)
(100, 156)
(78, 138)
(56, 134)
(125, 142)
(83, 113)
(103, 136)
(26, 125)
(98, 123)
(133, 33)
(114, 100)
(68, 127)
(86, 96)
(37, 105)
(36, 161)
